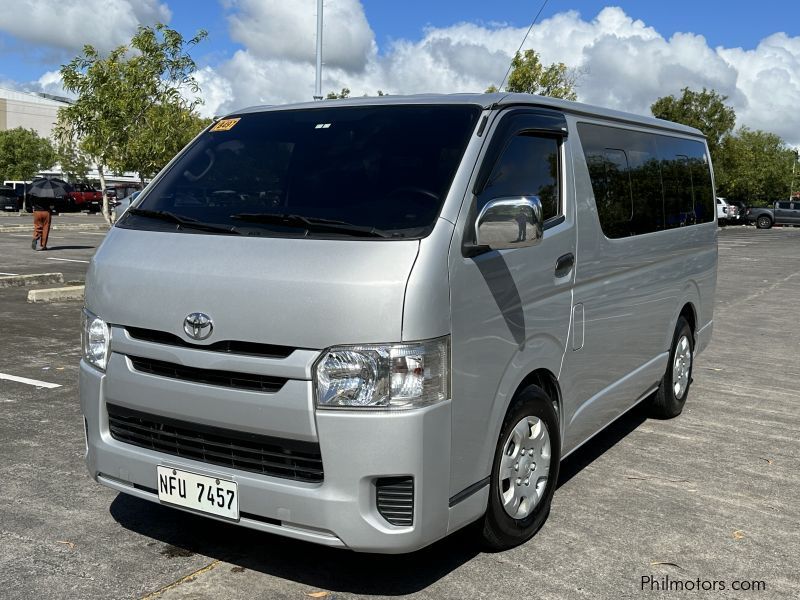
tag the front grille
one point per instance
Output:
(229, 379)
(289, 459)
(228, 347)
(395, 499)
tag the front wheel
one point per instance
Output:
(671, 395)
(763, 222)
(524, 471)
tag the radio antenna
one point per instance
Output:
(536, 18)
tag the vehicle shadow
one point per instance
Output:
(316, 566)
(326, 568)
(602, 442)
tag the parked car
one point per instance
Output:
(120, 206)
(21, 189)
(403, 325)
(84, 197)
(724, 211)
(783, 212)
(9, 201)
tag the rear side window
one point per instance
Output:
(527, 167)
(783, 205)
(645, 182)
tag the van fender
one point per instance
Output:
(689, 295)
(537, 353)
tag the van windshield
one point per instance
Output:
(375, 171)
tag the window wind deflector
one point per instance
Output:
(311, 224)
(184, 222)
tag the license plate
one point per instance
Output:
(9, 207)
(204, 494)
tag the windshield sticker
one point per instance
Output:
(225, 124)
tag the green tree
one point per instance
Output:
(74, 162)
(530, 76)
(345, 93)
(23, 153)
(704, 110)
(118, 96)
(755, 167)
(149, 150)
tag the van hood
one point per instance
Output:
(302, 293)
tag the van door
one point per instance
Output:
(510, 308)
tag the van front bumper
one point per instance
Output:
(357, 448)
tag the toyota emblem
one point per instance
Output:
(198, 326)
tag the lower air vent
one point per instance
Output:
(395, 500)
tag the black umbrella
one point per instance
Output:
(49, 188)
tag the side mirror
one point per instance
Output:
(509, 223)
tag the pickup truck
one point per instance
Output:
(784, 212)
(83, 197)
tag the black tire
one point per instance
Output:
(763, 222)
(500, 530)
(665, 404)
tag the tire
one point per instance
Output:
(669, 399)
(531, 408)
(763, 222)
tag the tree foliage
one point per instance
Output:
(345, 93)
(530, 76)
(705, 110)
(140, 94)
(755, 167)
(23, 153)
(74, 162)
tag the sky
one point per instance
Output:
(626, 53)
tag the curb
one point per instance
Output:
(34, 279)
(74, 292)
(76, 227)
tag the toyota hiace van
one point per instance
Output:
(369, 323)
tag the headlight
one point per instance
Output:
(95, 339)
(384, 376)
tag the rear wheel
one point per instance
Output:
(524, 471)
(763, 222)
(668, 401)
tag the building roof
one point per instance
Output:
(33, 98)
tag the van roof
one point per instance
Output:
(486, 101)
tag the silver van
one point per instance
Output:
(369, 323)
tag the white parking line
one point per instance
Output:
(1, 273)
(27, 381)
(67, 259)
(92, 232)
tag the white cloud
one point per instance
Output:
(69, 24)
(624, 63)
(287, 29)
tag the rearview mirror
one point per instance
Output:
(509, 223)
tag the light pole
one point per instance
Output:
(318, 87)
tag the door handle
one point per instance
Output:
(564, 264)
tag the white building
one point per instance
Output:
(40, 113)
(30, 111)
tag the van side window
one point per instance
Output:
(528, 167)
(669, 180)
(610, 172)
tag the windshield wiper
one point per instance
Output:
(311, 224)
(184, 222)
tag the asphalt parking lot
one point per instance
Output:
(711, 495)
